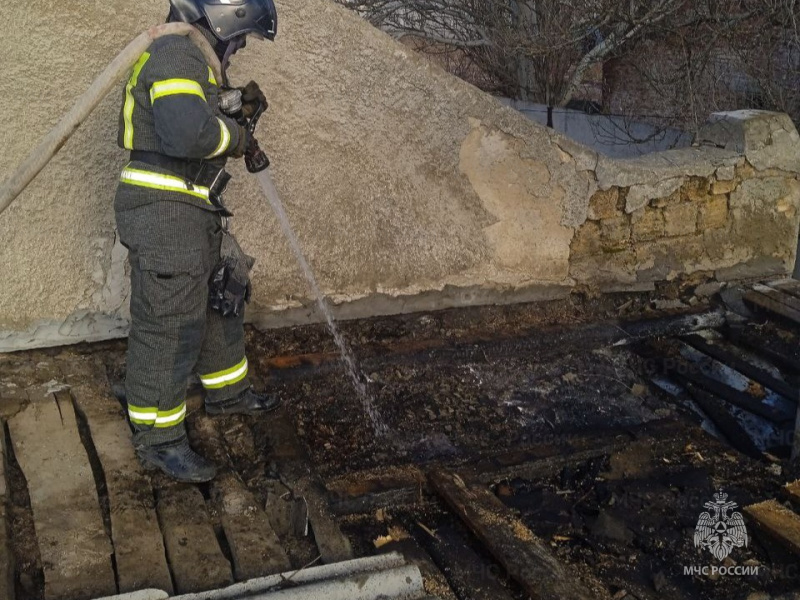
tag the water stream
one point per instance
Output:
(349, 360)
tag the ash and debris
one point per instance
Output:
(627, 519)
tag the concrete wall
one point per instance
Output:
(408, 188)
(612, 135)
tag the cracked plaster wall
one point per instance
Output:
(726, 209)
(409, 189)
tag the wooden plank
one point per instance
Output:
(524, 556)
(296, 473)
(740, 336)
(793, 489)
(194, 554)
(778, 296)
(366, 491)
(796, 443)
(535, 343)
(725, 422)
(6, 554)
(434, 580)
(777, 521)
(787, 286)
(255, 548)
(75, 549)
(773, 303)
(138, 544)
(468, 574)
(686, 371)
(742, 366)
(547, 459)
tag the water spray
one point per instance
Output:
(256, 161)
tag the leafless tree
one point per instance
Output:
(538, 50)
(542, 50)
(740, 54)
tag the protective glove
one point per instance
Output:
(252, 98)
(245, 141)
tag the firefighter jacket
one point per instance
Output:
(171, 108)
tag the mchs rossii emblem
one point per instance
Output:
(718, 531)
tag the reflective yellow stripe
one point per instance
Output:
(157, 181)
(171, 418)
(221, 379)
(211, 79)
(142, 416)
(158, 418)
(172, 87)
(129, 101)
(224, 140)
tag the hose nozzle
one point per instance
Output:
(255, 159)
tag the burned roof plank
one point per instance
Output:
(740, 335)
(725, 422)
(793, 489)
(524, 556)
(296, 472)
(778, 522)
(788, 286)
(255, 548)
(742, 366)
(193, 551)
(466, 572)
(775, 303)
(684, 371)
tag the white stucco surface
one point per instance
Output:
(408, 188)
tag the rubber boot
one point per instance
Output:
(247, 403)
(179, 461)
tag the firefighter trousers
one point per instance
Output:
(173, 247)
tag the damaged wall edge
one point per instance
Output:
(85, 326)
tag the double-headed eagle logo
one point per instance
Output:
(720, 533)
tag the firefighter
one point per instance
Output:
(171, 218)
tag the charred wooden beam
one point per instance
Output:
(740, 336)
(366, 491)
(787, 286)
(778, 295)
(435, 581)
(727, 424)
(793, 490)
(742, 366)
(539, 344)
(796, 443)
(294, 466)
(778, 522)
(525, 557)
(566, 449)
(774, 303)
(470, 575)
(685, 371)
